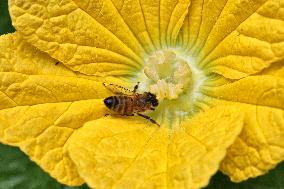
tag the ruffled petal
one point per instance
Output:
(41, 104)
(43, 130)
(260, 146)
(122, 153)
(67, 33)
(201, 17)
(105, 37)
(198, 147)
(263, 90)
(276, 69)
(18, 56)
(235, 38)
(29, 77)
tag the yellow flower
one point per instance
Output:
(217, 67)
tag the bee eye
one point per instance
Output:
(155, 103)
(151, 96)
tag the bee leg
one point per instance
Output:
(106, 115)
(130, 115)
(136, 87)
(152, 109)
(149, 118)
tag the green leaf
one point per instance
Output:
(18, 172)
(5, 20)
(273, 180)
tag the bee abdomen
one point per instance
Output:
(122, 105)
(111, 102)
(119, 104)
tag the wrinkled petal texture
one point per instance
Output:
(238, 39)
(99, 37)
(42, 104)
(104, 152)
(235, 38)
(120, 153)
(260, 146)
(60, 117)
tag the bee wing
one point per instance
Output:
(117, 89)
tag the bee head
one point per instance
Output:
(152, 98)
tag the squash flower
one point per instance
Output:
(216, 67)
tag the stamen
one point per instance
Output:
(176, 80)
(170, 75)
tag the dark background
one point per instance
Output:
(18, 172)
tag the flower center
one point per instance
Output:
(174, 77)
(170, 75)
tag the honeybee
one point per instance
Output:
(128, 103)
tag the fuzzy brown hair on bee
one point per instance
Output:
(125, 102)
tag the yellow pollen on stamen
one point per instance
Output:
(175, 79)
(170, 74)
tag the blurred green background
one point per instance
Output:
(18, 172)
(5, 21)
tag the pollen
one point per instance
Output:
(170, 75)
(176, 80)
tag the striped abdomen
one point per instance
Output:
(122, 105)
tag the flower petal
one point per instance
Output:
(29, 77)
(197, 151)
(190, 29)
(255, 90)
(69, 34)
(42, 104)
(121, 152)
(172, 15)
(260, 146)
(237, 38)
(105, 37)
(276, 69)
(155, 23)
(20, 57)
(202, 16)
(43, 130)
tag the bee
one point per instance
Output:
(128, 103)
